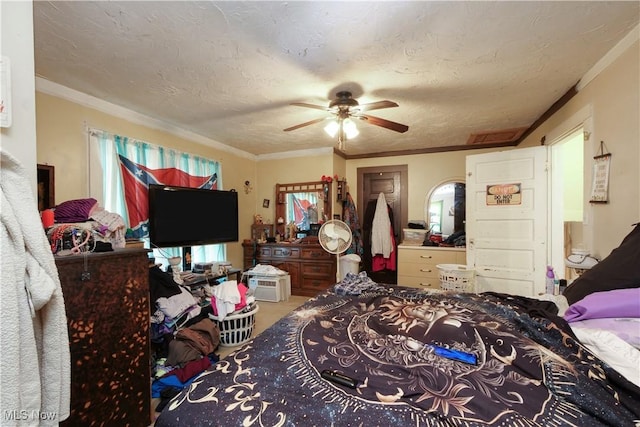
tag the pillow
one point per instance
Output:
(77, 210)
(625, 328)
(617, 303)
(620, 270)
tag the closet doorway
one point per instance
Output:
(392, 182)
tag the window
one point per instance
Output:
(121, 170)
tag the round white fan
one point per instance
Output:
(335, 237)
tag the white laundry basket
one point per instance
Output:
(236, 329)
(456, 277)
(349, 264)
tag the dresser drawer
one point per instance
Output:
(317, 283)
(293, 268)
(419, 282)
(315, 253)
(317, 270)
(263, 252)
(285, 252)
(418, 269)
(431, 256)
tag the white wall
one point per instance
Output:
(610, 104)
(19, 140)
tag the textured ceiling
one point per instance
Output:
(229, 70)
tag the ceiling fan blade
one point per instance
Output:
(398, 127)
(317, 107)
(376, 105)
(311, 122)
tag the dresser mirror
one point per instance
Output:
(303, 204)
(445, 207)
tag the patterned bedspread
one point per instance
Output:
(530, 370)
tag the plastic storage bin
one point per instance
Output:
(456, 277)
(413, 236)
(236, 329)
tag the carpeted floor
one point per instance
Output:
(267, 315)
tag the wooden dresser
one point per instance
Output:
(106, 296)
(311, 268)
(417, 264)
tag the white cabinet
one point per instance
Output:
(417, 264)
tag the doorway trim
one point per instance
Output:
(582, 118)
(404, 188)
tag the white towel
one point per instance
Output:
(226, 296)
(381, 229)
(35, 367)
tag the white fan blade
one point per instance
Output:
(330, 231)
(343, 234)
(332, 244)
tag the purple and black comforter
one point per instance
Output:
(530, 370)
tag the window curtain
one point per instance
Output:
(126, 167)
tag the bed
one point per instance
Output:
(384, 346)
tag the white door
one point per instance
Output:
(507, 219)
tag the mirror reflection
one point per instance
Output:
(301, 207)
(445, 208)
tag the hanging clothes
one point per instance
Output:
(367, 226)
(379, 262)
(350, 216)
(381, 239)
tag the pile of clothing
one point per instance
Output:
(82, 225)
(183, 337)
(230, 297)
(356, 284)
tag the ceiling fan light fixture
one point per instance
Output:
(350, 129)
(332, 128)
(343, 108)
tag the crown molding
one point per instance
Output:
(54, 89)
(298, 153)
(610, 57)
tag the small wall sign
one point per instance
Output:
(600, 184)
(504, 194)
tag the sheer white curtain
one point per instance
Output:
(109, 156)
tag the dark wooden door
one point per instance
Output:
(392, 182)
(387, 183)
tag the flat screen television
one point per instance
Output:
(182, 216)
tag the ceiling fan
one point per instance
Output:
(343, 109)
